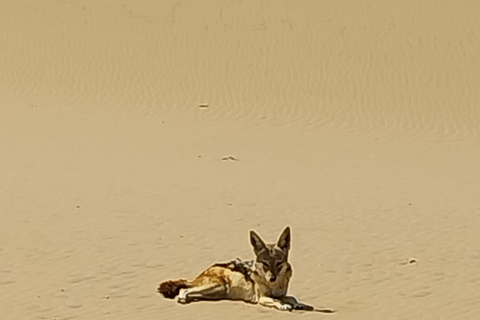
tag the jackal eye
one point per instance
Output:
(265, 266)
(278, 264)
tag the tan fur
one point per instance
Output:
(264, 282)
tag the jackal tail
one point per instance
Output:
(170, 288)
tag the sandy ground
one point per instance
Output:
(357, 123)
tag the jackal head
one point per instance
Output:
(271, 259)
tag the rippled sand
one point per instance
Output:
(141, 140)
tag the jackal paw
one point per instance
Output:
(182, 300)
(284, 307)
(182, 297)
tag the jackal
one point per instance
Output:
(263, 281)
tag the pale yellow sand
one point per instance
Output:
(355, 123)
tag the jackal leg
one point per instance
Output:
(211, 291)
(297, 305)
(274, 303)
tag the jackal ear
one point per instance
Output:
(256, 241)
(284, 239)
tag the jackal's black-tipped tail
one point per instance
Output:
(170, 288)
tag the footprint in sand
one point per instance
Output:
(229, 158)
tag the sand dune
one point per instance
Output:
(356, 124)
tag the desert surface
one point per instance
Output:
(141, 141)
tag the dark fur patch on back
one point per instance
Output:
(239, 265)
(170, 289)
